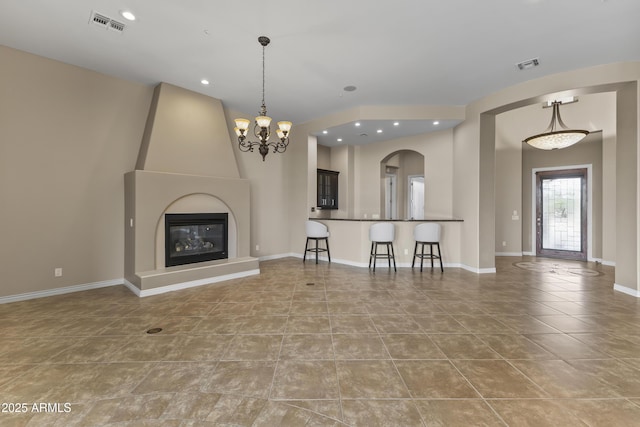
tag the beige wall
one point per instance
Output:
(303, 162)
(466, 169)
(186, 132)
(437, 149)
(360, 191)
(407, 163)
(513, 184)
(269, 194)
(67, 137)
(324, 157)
(342, 158)
(508, 183)
(475, 138)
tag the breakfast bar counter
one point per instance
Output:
(349, 240)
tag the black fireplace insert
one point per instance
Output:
(191, 238)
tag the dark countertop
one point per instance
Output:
(389, 220)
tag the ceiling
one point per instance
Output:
(395, 52)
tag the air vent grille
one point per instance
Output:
(100, 20)
(117, 26)
(529, 63)
(105, 22)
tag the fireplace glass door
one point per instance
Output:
(191, 238)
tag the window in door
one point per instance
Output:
(561, 214)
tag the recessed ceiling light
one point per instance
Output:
(349, 88)
(128, 15)
(436, 123)
(357, 123)
(204, 82)
(379, 131)
(325, 132)
(396, 123)
(339, 140)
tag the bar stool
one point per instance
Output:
(316, 231)
(382, 233)
(427, 234)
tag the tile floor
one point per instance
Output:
(541, 342)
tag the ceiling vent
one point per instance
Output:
(529, 63)
(105, 22)
(116, 26)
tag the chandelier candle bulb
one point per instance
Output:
(284, 126)
(242, 124)
(263, 121)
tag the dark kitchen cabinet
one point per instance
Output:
(327, 189)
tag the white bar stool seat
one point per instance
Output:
(316, 231)
(427, 234)
(382, 233)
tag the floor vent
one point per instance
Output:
(105, 22)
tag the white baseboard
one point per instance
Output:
(626, 290)
(60, 291)
(478, 270)
(379, 263)
(186, 285)
(126, 283)
(278, 256)
(528, 253)
(509, 253)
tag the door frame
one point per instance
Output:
(409, 194)
(589, 168)
(391, 210)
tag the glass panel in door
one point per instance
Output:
(561, 214)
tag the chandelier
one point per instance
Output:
(557, 135)
(262, 127)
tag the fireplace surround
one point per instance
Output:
(152, 195)
(186, 164)
(195, 237)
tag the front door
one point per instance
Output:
(561, 214)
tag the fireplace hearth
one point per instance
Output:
(197, 237)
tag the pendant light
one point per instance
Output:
(557, 135)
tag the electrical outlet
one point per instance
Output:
(504, 243)
(406, 251)
(57, 272)
(313, 208)
(257, 247)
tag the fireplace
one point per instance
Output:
(191, 238)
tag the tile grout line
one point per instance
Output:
(335, 361)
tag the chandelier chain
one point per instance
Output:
(264, 107)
